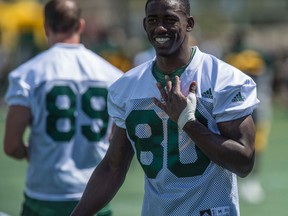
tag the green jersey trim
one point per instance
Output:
(160, 75)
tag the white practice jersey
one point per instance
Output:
(66, 89)
(179, 178)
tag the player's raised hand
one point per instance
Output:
(188, 114)
(174, 102)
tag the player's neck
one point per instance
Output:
(64, 38)
(168, 64)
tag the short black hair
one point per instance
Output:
(62, 16)
(184, 5)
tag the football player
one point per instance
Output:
(186, 115)
(61, 94)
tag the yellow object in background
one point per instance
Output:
(248, 61)
(20, 17)
(262, 135)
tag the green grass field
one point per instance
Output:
(129, 199)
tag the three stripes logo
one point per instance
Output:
(238, 98)
(206, 213)
(207, 94)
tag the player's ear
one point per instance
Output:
(144, 23)
(190, 24)
(46, 29)
(82, 25)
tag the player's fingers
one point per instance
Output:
(177, 84)
(162, 91)
(192, 93)
(168, 84)
(192, 87)
(159, 104)
(168, 87)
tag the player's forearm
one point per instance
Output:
(101, 188)
(93, 200)
(226, 152)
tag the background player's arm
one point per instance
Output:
(18, 118)
(109, 175)
(233, 149)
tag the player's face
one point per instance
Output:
(166, 26)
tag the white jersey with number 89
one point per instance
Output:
(66, 89)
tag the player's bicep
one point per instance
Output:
(241, 130)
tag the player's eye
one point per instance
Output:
(151, 20)
(171, 20)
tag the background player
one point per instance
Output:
(61, 95)
(190, 154)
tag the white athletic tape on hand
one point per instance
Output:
(188, 114)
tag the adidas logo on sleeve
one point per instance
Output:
(207, 94)
(238, 98)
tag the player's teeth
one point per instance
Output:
(161, 40)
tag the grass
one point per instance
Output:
(274, 175)
(12, 178)
(127, 202)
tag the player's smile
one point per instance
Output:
(164, 43)
(161, 40)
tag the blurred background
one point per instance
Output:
(114, 30)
